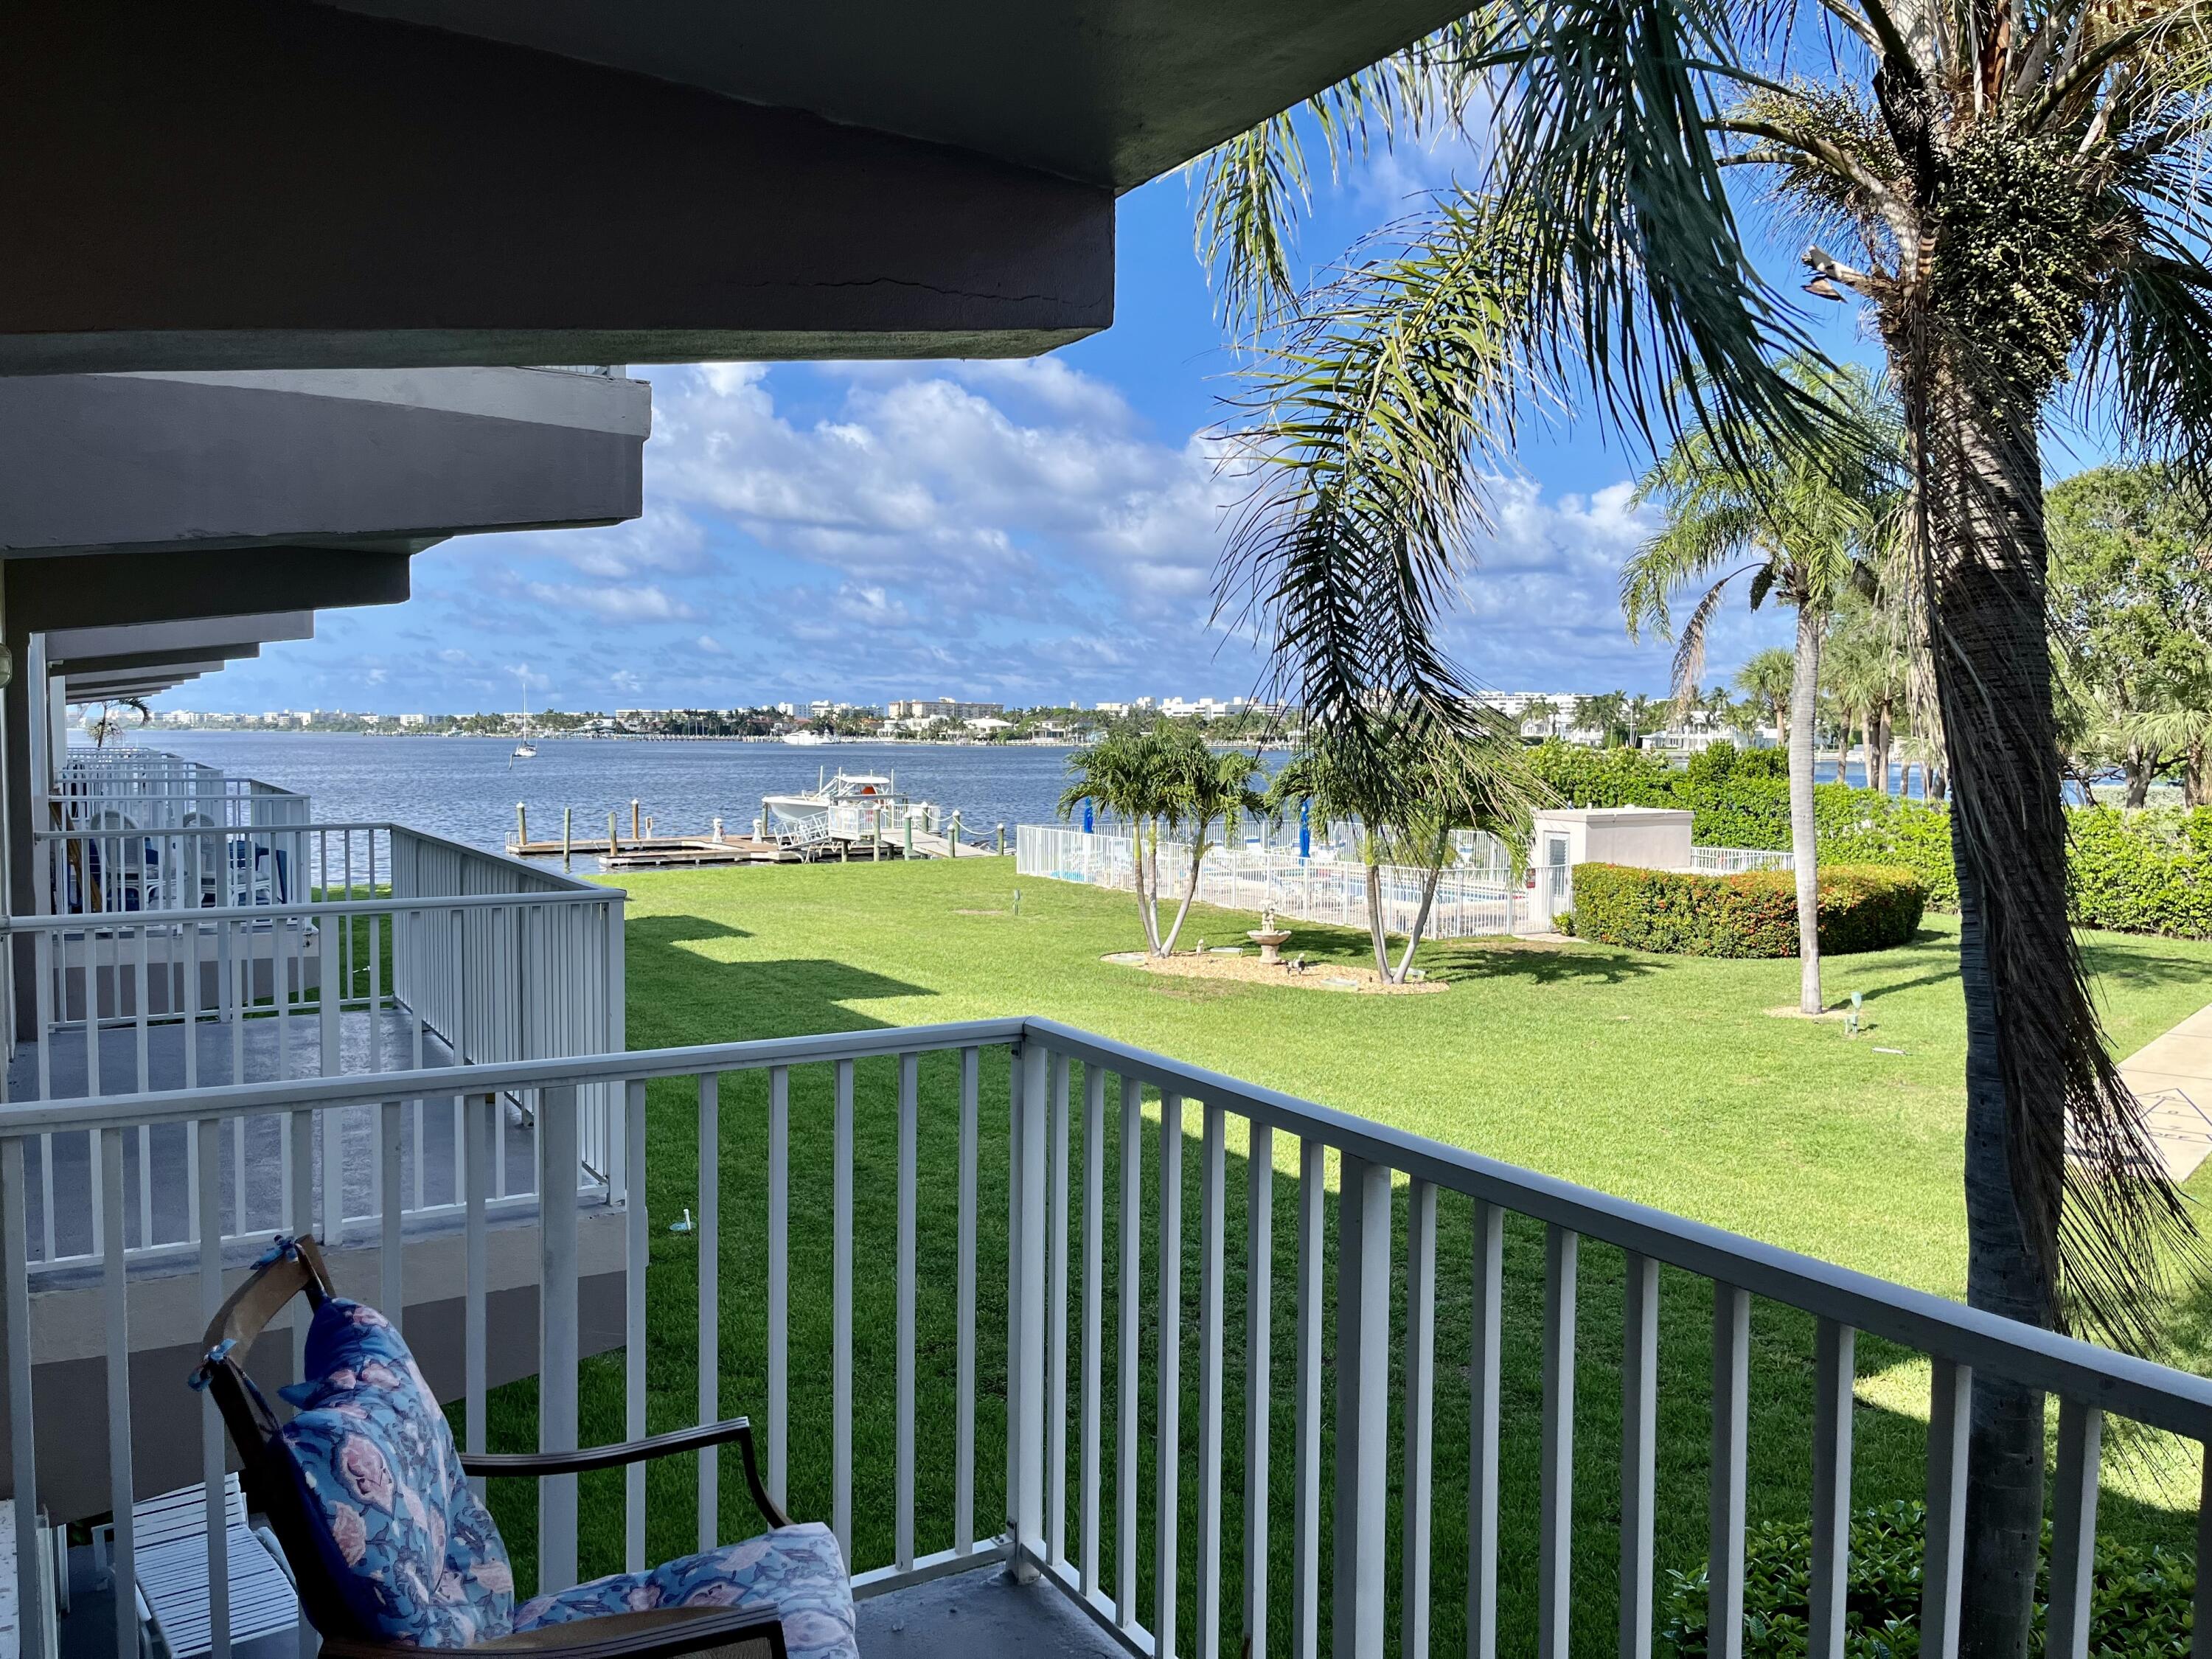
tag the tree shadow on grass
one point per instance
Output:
(682, 995)
(1541, 964)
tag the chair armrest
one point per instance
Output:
(586, 1459)
(661, 1633)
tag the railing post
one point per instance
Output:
(1362, 1408)
(556, 1332)
(22, 1438)
(1028, 1428)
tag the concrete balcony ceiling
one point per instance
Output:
(516, 181)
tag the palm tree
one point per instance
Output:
(108, 722)
(1642, 710)
(1163, 778)
(1432, 780)
(1123, 773)
(1605, 713)
(2019, 187)
(1765, 683)
(1803, 527)
(1200, 788)
(2185, 727)
(1867, 669)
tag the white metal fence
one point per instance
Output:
(1734, 860)
(1470, 899)
(1097, 1137)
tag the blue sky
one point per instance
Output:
(1027, 531)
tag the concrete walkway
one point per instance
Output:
(2172, 1077)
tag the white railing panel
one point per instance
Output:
(888, 1546)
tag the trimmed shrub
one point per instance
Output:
(1865, 826)
(2139, 1602)
(2146, 872)
(1863, 908)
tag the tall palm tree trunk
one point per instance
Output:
(2017, 966)
(1804, 694)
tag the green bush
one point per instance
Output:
(2143, 872)
(2139, 1602)
(1865, 826)
(1863, 908)
(2133, 872)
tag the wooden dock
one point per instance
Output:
(706, 852)
(641, 849)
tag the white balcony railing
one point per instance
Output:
(1128, 1122)
(200, 931)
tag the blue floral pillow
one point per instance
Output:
(414, 1553)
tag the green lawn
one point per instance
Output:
(1661, 1079)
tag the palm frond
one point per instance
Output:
(1254, 189)
(1638, 278)
(1377, 426)
(2147, 361)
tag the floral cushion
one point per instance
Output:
(794, 1572)
(412, 1551)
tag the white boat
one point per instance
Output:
(805, 739)
(526, 749)
(846, 789)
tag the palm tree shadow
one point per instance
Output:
(749, 999)
(1475, 959)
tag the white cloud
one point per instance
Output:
(710, 645)
(612, 603)
(1010, 479)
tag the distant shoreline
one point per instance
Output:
(127, 738)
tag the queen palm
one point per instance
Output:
(1797, 524)
(2014, 188)
(1432, 780)
(1163, 778)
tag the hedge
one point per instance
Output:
(1863, 908)
(2144, 872)
(2139, 1599)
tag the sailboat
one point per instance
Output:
(526, 749)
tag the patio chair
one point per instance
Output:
(169, 1553)
(392, 1551)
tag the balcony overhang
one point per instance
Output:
(376, 458)
(79, 649)
(1109, 92)
(141, 664)
(102, 590)
(436, 198)
(96, 688)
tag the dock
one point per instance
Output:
(821, 843)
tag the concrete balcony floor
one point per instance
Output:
(978, 1615)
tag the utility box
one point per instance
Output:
(1644, 837)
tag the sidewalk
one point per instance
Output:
(2172, 1077)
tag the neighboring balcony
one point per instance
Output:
(203, 931)
(1194, 1274)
